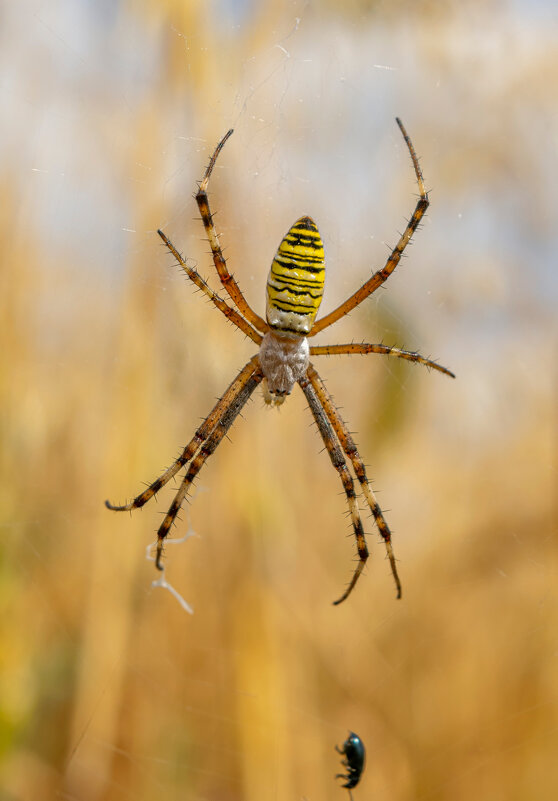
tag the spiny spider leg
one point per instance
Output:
(362, 348)
(228, 398)
(230, 313)
(382, 275)
(350, 449)
(228, 417)
(227, 279)
(338, 461)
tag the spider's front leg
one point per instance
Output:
(199, 437)
(334, 418)
(228, 417)
(203, 443)
(340, 464)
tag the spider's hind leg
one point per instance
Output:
(228, 281)
(382, 275)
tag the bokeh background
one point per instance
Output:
(109, 688)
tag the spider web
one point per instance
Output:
(111, 691)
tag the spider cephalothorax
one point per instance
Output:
(284, 360)
(294, 293)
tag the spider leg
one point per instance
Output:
(348, 445)
(228, 416)
(227, 279)
(228, 398)
(382, 275)
(338, 461)
(230, 313)
(358, 347)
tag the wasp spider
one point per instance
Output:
(294, 293)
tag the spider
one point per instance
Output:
(294, 293)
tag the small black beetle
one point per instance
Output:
(355, 753)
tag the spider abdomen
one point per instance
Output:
(284, 360)
(296, 280)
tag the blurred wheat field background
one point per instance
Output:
(109, 689)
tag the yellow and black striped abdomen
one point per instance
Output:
(296, 280)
